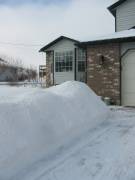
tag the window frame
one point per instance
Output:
(81, 66)
(64, 61)
(81, 60)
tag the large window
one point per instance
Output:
(64, 61)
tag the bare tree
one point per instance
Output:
(13, 70)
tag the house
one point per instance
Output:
(64, 61)
(106, 64)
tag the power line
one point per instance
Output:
(21, 44)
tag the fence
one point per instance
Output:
(24, 84)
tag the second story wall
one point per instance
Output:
(125, 15)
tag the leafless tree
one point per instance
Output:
(13, 70)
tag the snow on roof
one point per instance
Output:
(121, 34)
(115, 36)
(55, 41)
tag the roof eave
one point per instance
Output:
(44, 49)
(113, 12)
(118, 40)
(113, 7)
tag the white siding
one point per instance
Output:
(63, 45)
(127, 46)
(125, 15)
(128, 79)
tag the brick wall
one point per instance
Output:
(104, 79)
(49, 71)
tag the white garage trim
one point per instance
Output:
(128, 78)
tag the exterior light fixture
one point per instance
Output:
(101, 60)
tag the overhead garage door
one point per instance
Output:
(128, 79)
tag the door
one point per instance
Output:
(64, 66)
(128, 79)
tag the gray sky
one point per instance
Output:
(37, 22)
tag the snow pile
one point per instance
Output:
(34, 123)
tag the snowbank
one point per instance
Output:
(34, 123)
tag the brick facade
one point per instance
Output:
(49, 68)
(103, 70)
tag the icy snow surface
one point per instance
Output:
(62, 134)
(107, 153)
(39, 127)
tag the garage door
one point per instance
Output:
(128, 79)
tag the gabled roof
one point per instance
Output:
(122, 36)
(113, 7)
(55, 41)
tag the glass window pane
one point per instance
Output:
(81, 66)
(63, 61)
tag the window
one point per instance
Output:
(81, 66)
(81, 58)
(81, 55)
(64, 61)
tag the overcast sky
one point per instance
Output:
(37, 22)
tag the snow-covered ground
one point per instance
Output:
(106, 153)
(64, 135)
